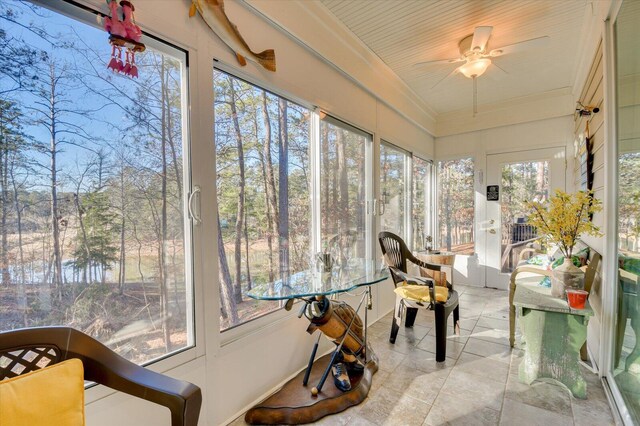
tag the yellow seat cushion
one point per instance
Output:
(420, 293)
(53, 395)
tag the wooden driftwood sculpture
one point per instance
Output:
(212, 11)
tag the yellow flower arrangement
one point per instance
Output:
(564, 218)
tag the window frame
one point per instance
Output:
(430, 199)
(407, 219)
(437, 242)
(237, 332)
(86, 15)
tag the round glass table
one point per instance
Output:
(338, 321)
(312, 282)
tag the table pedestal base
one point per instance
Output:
(294, 404)
(552, 348)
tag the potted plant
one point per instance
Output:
(561, 221)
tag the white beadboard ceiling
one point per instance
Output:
(404, 32)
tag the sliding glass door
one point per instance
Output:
(626, 356)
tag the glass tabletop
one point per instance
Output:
(311, 282)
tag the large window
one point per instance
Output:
(343, 189)
(423, 205)
(91, 184)
(394, 178)
(263, 181)
(625, 368)
(456, 205)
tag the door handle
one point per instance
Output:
(195, 217)
(492, 221)
(492, 231)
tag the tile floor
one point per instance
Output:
(477, 385)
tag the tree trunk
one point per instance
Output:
(269, 174)
(269, 216)
(246, 250)
(22, 293)
(237, 293)
(53, 152)
(122, 270)
(227, 301)
(85, 244)
(283, 188)
(4, 200)
(164, 296)
(343, 188)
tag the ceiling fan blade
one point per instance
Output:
(438, 62)
(520, 46)
(451, 74)
(480, 38)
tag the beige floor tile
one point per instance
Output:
(464, 334)
(426, 361)
(515, 413)
(476, 385)
(483, 367)
(389, 407)
(542, 394)
(340, 419)
(488, 349)
(469, 390)
(389, 359)
(498, 324)
(455, 414)
(421, 385)
(454, 348)
(491, 335)
(403, 344)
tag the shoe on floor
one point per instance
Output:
(340, 377)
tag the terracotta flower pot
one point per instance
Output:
(577, 298)
(566, 276)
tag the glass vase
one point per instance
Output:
(566, 276)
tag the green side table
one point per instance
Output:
(553, 335)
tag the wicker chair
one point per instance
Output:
(397, 254)
(29, 349)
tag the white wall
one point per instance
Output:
(551, 132)
(237, 374)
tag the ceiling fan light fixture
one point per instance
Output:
(475, 67)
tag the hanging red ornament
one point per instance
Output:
(123, 34)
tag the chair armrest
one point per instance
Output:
(530, 268)
(421, 263)
(105, 367)
(526, 251)
(411, 279)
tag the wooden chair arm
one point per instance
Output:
(105, 367)
(528, 250)
(530, 268)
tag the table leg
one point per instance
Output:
(312, 358)
(318, 388)
(553, 348)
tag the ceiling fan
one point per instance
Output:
(477, 58)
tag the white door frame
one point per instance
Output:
(492, 241)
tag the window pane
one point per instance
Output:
(263, 178)
(422, 203)
(342, 190)
(456, 205)
(521, 182)
(626, 350)
(392, 189)
(92, 186)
